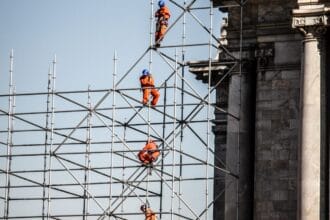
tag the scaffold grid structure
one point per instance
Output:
(73, 154)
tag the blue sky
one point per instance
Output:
(82, 33)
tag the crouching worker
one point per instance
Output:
(149, 214)
(149, 153)
(148, 87)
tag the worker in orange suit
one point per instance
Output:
(149, 153)
(148, 87)
(149, 214)
(162, 15)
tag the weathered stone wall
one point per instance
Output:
(277, 121)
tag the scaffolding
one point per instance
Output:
(73, 154)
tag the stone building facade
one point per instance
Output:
(279, 147)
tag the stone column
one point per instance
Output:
(310, 169)
(311, 135)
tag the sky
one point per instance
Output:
(83, 35)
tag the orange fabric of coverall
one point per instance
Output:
(163, 14)
(148, 81)
(150, 215)
(149, 153)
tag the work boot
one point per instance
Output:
(150, 171)
(150, 166)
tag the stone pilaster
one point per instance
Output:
(312, 21)
(240, 144)
(220, 132)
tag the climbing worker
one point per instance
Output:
(162, 15)
(148, 86)
(149, 153)
(149, 214)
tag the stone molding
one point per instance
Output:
(312, 22)
(298, 22)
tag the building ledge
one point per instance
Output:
(202, 68)
(224, 4)
(303, 11)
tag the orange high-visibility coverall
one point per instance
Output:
(163, 14)
(149, 153)
(148, 81)
(150, 215)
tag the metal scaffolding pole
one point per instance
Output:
(9, 135)
(52, 124)
(162, 152)
(123, 170)
(87, 160)
(208, 133)
(46, 143)
(182, 100)
(113, 124)
(174, 143)
(150, 54)
(240, 102)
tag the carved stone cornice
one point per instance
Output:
(312, 22)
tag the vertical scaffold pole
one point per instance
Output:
(150, 69)
(9, 135)
(50, 154)
(87, 158)
(209, 111)
(113, 126)
(147, 186)
(46, 143)
(174, 134)
(11, 143)
(12, 125)
(240, 101)
(182, 99)
(151, 33)
(162, 150)
(150, 53)
(123, 173)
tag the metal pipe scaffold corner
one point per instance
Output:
(91, 160)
